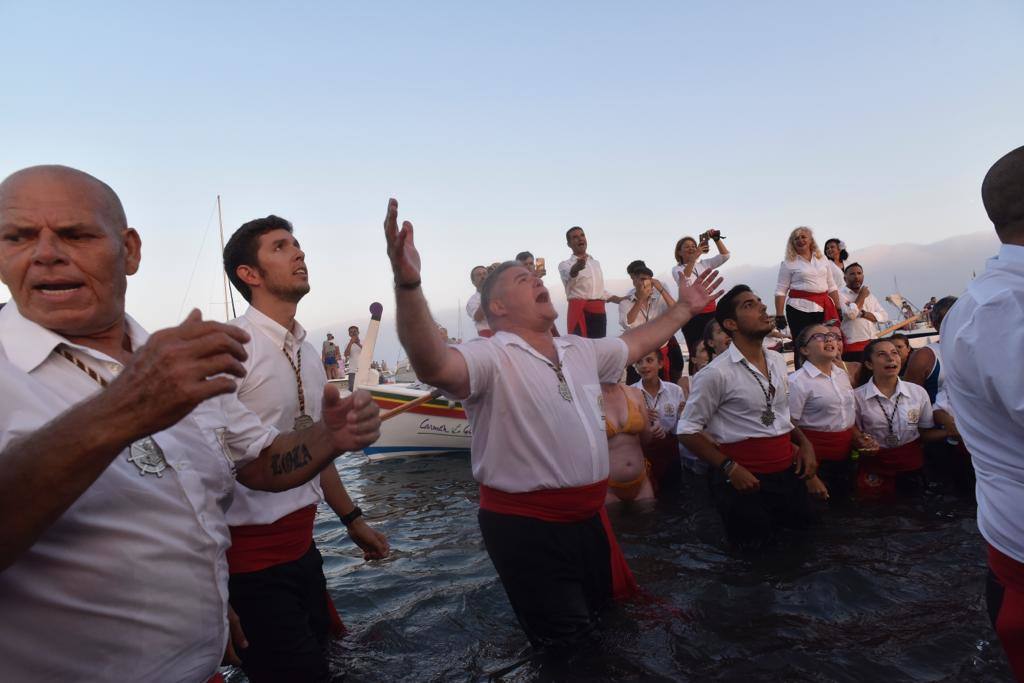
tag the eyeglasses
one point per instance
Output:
(821, 336)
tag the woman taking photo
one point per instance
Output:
(688, 266)
(806, 278)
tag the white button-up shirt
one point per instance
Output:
(699, 267)
(131, 580)
(821, 402)
(655, 306)
(666, 403)
(525, 435)
(913, 413)
(856, 328)
(270, 390)
(727, 401)
(982, 337)
(472, 306)
(588, 283)
(807, 276)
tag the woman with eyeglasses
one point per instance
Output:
(689, 265)
(822, 405)
(807, 292)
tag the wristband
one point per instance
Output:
(409, 285)
(726, 465)
(352, 516)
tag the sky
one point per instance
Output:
(499, 125)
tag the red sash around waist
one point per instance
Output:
(576, 318)
(258, 546)
(761, 454)
(1009, 571)
(853, 347)
(830, 445)
(566, 505)
(888, 462)
(820, 298)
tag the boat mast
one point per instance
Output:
(228, 294)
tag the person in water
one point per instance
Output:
(898, 416)
(759, 459)
(628, 429)
(663, 401)
(539, 448)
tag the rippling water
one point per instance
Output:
(873, 593)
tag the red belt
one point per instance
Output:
(762, 454)
(820, 298)
(830, 445)
(566, 505)
(576, 318)
(888, 462)
(1009, 571)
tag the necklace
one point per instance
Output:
(563, 386)
(303, 421)
(892, 440)
(768, 416)
(145, 453)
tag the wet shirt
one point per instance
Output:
(130, 583)
(914, 412)
(857, 328)
(728, 402)
(821, 402)
(805, 276)
(588, 283)
(982, 338)
(525, 435)
(270, 390)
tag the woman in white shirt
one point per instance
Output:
(806, 278)
(836, 255)
(688, 267)
(898, 416)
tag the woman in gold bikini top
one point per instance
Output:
(627, 426)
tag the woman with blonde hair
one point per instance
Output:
(806, 278)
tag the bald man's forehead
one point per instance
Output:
(59, 197)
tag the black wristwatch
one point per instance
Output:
(726, 465)
(352, 516)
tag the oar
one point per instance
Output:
(410, 405)
(370, 341)
(898, 326)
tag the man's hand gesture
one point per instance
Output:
(405, 260)
(352, 422)
(703, 291)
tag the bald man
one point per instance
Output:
(118, 451)
(982, 337)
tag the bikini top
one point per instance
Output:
(636, 419)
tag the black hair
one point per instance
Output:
(242, 248)
(843, 254)
(575, 227)
(727, 306)
(1002, 196)
(706, 337)
(851, 265)
(523, 255)
(939, 310)
(864, 374)
(487, 288)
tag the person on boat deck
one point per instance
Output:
(584, 288)
(924, 367)
(836, 255)
(329, 355)
(805, 277)
(277, 585)
(477, 276)
(648, 299)
(119, 451)
(353, 350)
(898, 416)
(628, 429)
(759, 460)
(663, 402)
(539, 446)
(982, 336)
(861, 313)
(689, 265)
(822, 405)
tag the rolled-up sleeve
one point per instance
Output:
(611, 354)
(704, 399)
(244, 435)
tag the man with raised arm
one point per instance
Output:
(539, 447)
(584, 288)
(119, 451)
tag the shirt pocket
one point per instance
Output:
(217, 461)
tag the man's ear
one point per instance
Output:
(132, 251)
(730, 325)
(249, 275)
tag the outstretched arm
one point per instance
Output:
(434, 361)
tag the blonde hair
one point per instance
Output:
(791, 252)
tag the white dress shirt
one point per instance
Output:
(472, 306)
(656, 305)
(838, 276)
(699, 267)
(806, 276)
(727, 401)
(913, 413)
(588, 283)
(821, 402)
(130, 582)
(525, 435)
(982, 337)
(666, 403)
(269, 389)
(857, 328)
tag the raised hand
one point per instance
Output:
(353, 422)
(405, 260)
(703, 291)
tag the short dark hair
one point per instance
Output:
(353, 327)
(1002, 192)
(727, 306)
(242, 248)
(487, 288)
(575, 227)
(851, 266)
(843, 254)
(939, 310)
(706, 337)
(523, 255)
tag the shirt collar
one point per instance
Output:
(901, 388)
(27, 344)
(1012, 253)
(734, 354)
(273, 329)
(661, 388)
(512, 339)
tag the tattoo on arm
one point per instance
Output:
(283, 463)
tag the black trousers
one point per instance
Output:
(752, 519)
(694, 330)
(283, 612)
(557, 574)
(840, 477)
(798, 320)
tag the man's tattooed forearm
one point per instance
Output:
(283, 463)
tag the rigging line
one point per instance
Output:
(195, 265)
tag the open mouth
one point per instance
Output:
(543, 298)
(56, 289)
(300, 271)
(891, 366)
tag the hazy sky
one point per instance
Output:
(499, 125)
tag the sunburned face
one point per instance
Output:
(649, 366)
(802, 241)
(854, 277)
(884, 361)
(520, 299)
